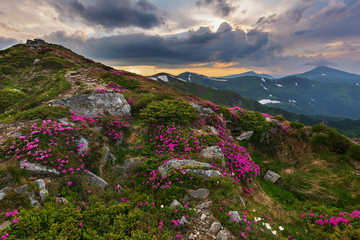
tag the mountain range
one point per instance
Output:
(321, 91)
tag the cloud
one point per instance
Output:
(320, 60)
(111, 14)
(7, 42)
(220, 7)
(200, 46)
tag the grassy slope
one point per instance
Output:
(324, 182)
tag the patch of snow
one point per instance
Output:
(357, 84)
(292, 101)
(163, 78)
(266, 101)
(264, 87)
(263, 79)
(270, 95)
(312, 85)
(180, 79)
(296, 84)
(312, 100)
(323, 74)
(153, 78)
(279, 85)
(189, 77)
(219, 80)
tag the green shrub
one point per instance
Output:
(168, 111)
(320, 142)
(254, 121)
(43, 112)
(280, 118)
(7, 69)
(320, 128)
(52, 63)
(354, 152)
(144, 99)
(9, 97)
(338, 143)
(296, 125)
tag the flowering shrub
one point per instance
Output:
(344, 226)
(248, 120)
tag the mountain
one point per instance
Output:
(91, 152)
(292, 93)
(330, 75)
(250, 73)
(228, 98)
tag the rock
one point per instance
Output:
(245, 136)
(34, 202)
(204, 205)
(4, 225)
(183, 221)
(23, 189)
(187, 199)
(207, 174)
(17, 134)
(202, 110)
(108, 156)
(234, 215)
(274, 130)
(95, 180)
(99, 129)
(175, 204)
(37, 169)
(63, 200)
(131, 163)
(215, 227)
(203, 217)
(272, 176)
(4, 191)
(93, 105)
(214, 131)
(223, 235)
(192, 236)
(65, 121)
(357, 168)
(85, 145)
(178, 163)
(289, 171)
(212, 153)
(36, 61)
(42, 192)
(201, 193)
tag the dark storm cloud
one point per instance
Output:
(111, 14)
(7, 42)
(320, 60)
(201, 46)
(221, 7)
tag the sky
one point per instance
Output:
(211, 37)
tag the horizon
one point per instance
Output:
(209, 37)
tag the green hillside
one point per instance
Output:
(90, 152)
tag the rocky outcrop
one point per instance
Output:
(245, 136)
(202, 110)
(234, 216)
(37, 169)
(92, 105)
(213, 153)
(191, 164)
(128, 166)
(32, 194)
(96, 180)
(201, 193)
(175, 204)
(4, 191)
(223, 235)
(272, 176)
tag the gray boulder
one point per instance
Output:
(272, 176)
(36, 61)
(202, 110)
(85, 145)
(92, 105)
(175, 204)
(212, 153)
(4, 191)
(207, 174)
(201, 193)
(245, 136)
(42, 190)
(233, 215)
(37, 169)
(179, 163)
(223, 235)
(204, 205)
(96, 180)
(215, 227)
(183, 221)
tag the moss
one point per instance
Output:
(43, 112)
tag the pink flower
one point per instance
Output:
(69, 183)
(15, 220)
(80, 224)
